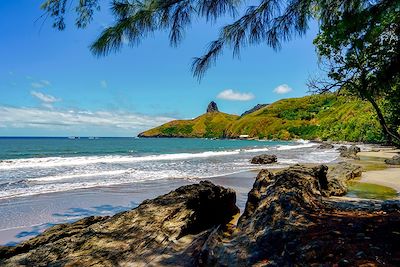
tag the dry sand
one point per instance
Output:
(377, 172)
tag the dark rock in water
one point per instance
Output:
(254, 109)
(338, 176)
(212, 107)
(354, 149)
(162, 231)
(325, 146)
(342, 148)
(393, 161)
(264, 159)
(350, 152)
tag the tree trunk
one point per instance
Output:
(391, 137)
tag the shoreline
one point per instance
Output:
(56, 208)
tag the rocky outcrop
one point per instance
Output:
(339, 175)
(325, 146)
(264, 159)
(162, 231)
(254, 109)
(393, 161)
(288, 222)
(212, 107)
(349, 152)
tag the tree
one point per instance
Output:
(361, 51)
(266, 21)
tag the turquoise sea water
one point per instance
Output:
(31, 166)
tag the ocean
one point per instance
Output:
(32, 166)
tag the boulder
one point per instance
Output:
(164, 231)
(350, 152)
(264, 159)
(393, 161)
(212, 107)
(288, 222)
(325, 146)
(274, 216)
(339, 175)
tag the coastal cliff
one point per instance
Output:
(289, 219)
(327, 116)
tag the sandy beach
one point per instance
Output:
(378, 172)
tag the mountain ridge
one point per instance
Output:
(314, 117)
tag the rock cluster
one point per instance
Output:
(264, 159)
(349, 152)
(212, 107)
(393, 161)
(288, 221)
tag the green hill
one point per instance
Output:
(311, 117)
(208, 125)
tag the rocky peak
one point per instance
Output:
(254, 109)
(212, 107)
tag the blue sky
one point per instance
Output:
(51, 85)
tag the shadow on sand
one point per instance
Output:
(69, 216)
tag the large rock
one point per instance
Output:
(264, 159)
(350, 152)
(275, 214)
(212, 107)
(162, 231)
(288, 222)
(325, 146)
(393, 161)
(339, 175)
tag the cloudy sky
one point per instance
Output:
(51, 85)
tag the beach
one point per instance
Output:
(28, 215)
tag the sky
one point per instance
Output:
(51, 84)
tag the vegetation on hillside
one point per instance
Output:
(326, 116)
(208, 125)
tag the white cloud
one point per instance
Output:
(40, 84)
(229, 94)
(76, 120)
(45, 99)
(103, 84)
(283, 89)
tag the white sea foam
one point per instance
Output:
(50, 162)
(302, 145)
(75, 176)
